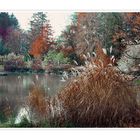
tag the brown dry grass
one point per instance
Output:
(37, 102)
(99, 97)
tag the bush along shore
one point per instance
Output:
(16, 64)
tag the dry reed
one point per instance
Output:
(38, 104)
(99, 97)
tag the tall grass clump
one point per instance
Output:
(38, 104)
(100, 96)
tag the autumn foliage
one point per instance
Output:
(66, 50)
(37, 47)
(42, 42)
(133, 20)
(130, 31)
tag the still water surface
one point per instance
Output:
(15, 88)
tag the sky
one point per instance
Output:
(58, 20)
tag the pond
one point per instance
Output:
(14, 89)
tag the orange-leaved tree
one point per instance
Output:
(37, 47)
(41, 35)
(42, 43)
